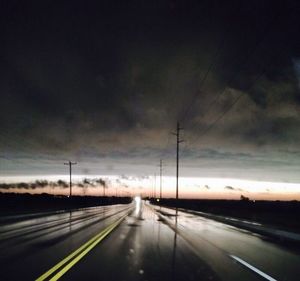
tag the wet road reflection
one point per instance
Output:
(43, 241)
(174, 249)
(151, 243)
(142, 248)
(213, 240)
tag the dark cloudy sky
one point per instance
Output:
(104, 84)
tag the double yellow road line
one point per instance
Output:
(68, 262)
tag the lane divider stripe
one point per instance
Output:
(80, 256)
(266, 276)
(86, 245)
(65, 260)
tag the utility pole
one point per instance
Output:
(178, 141)
(70, 168)
(160, 173)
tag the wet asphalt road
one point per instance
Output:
(151, 243)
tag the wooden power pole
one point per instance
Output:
(70, 169)
(178, 141)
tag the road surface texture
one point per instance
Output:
(138, 242)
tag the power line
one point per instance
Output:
(164, 148)
(203, 80)
(214, 61)
(229, 108)
(220, 117)
(244, 62)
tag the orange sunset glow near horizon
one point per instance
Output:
(149, 186)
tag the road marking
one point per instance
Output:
(65, 260)
(79, 253)
(253, 268)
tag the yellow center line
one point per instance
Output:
(83, 250)
(65, 260)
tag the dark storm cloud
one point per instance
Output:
(93, 81)
(32, 185)
(94, 182)
(205, 186)
(228, 187)
(87, 182)
(62, 184)
(216, 154)
(102, 182)
(134, 178)
(120, 183)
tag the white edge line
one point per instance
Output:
(253, 268)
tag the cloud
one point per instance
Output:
(120, 183)
(41, 183)
(93, 182)
(85, 183)
(201, 186)
(117, 101)
(229, 187)
(21, 185)
(102, 182)
(33, 185)
(62, 184)
(210, 153)
(233, 188)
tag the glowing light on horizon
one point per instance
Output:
(189, 187)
